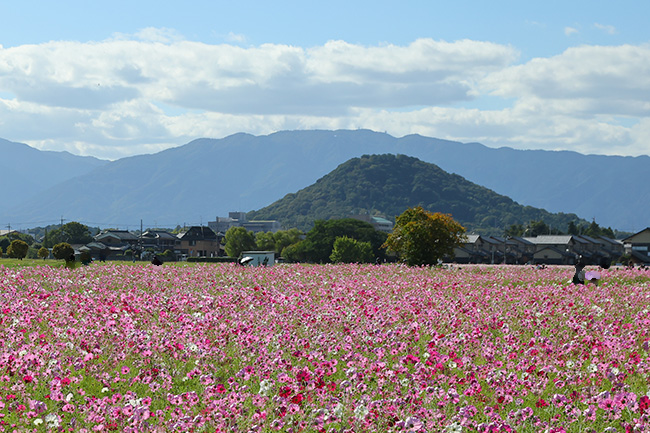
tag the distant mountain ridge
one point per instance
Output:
(206, 178)
(388, 184)
(27, 171)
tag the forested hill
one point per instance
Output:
(388, 184)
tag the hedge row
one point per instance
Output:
(213, 259)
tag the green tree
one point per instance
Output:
(298, 252)
(515, 230)
(348, 250)
(284, 238)
(422, 238)
(572, 228)
(4, 243)
(319, 242)
(537, 228)
(239, 239)
(265, 241)
(71, 233)
(43, 253)
(62, 251)
(28, 239)
(17, 249)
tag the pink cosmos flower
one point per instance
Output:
(644, 403)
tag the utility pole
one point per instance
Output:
(140, 235)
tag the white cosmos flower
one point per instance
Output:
(454, 428)
(265, 387)
(361, 411)
(338, 410)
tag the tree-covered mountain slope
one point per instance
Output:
(388, 184)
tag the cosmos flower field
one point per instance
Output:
(346, 348)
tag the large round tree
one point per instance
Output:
(239, 239)
(18, 249)
(421, 237)
(62, 251)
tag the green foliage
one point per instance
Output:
(212, 259)
(264, 241)
(17, 249)
(71, 233)
(348, 250)
(277, 241)
(85, 257)
(28, 239)
(5, 241)
(388, 184)
(533, 228)
(284, 238)
(298, 252)
(318, 244)
(593, 230)
(422, 238)
(43, 253)
(537, 228)
(62, 251)
(239, 239)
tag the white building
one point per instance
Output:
(238, 219)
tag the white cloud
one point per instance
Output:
(611, 30)
(582, 81)
(236, 38)
(570, 31)
(146, 92)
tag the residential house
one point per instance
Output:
(523, 248)
(514, 250)
(159, 241)
(611, 247)
(550, 255)
(557, 249)
(637, 246)
(199, 241)
(109, 244)
(472, 251)
(597, 252)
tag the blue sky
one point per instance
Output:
(118, 78)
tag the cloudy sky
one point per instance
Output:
(118, 78)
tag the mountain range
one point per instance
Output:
(206, 178)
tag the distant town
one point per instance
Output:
(208, 242)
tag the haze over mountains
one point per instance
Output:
(206, 178)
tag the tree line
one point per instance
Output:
(419, 238)
(539, 227)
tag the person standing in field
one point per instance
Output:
(579, 275)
